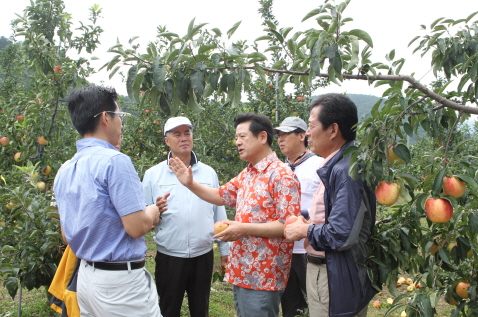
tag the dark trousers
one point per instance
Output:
(174, 276)
(294, 297)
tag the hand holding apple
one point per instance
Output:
(233, 231)
(296, 230)
(220, 226)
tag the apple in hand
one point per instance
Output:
(387, 194)
(438, 210)
(454, 187)
(220, 226)
(290, 220)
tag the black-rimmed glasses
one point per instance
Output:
(121, 114)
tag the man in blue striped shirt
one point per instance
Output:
(103, 214)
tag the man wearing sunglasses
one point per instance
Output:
(103, 214)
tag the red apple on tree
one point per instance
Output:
(47, 170)
(387, 193)
(453, 186)
(462, 289)
(4, 141)
(438, 210)
(220, 226)
(57, 69)
(42, 141)
(41, 186)
(20, 117)
(17, 157)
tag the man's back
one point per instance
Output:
(94, 190)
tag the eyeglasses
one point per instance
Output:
(119, 113)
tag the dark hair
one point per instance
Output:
(259, 123)
(337, 108)
(86, 102)
(299, 130)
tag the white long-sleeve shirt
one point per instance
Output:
(186, 228)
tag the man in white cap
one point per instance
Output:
(292, 142)
(183, 236)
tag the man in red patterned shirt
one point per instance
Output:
(264, 194)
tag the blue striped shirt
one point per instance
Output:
(97, 187)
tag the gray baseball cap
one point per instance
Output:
(290, 124)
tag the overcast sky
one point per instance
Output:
(391, 24)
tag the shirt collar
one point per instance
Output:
(264, 163)
(193, 161)
(89, 142)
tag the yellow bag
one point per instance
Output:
(63, 286)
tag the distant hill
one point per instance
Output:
(364, 103)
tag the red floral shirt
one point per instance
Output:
(265, 192)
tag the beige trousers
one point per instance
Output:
(318, 291)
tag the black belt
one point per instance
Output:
(111, 266)
(315, 259)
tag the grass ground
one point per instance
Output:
(34, 303)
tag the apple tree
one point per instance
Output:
(37, 136)
(187, 71)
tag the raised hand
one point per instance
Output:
(183, 173)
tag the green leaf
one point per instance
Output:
(130, 80)
(312, 13)
(257, 55)
(198, 79)
(193, 104)
(438, 183)
(470, 17)
(263, 38)
(138, 80)
(168, 35)
(332, 53)
(261, 74)
(233, 29)
(217, 31)
(182, 89)
(364, 36)
(197, 28)
(285, 31)
(159, 73)
(402, 152)
(470, 181)
(12, 286)
(473, 223)
(190, 29)
(207, 47)
(278, 36)
(131, 40)
(214, 79)
(355, 53)
(435, 22)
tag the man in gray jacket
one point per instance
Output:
(183, 236)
